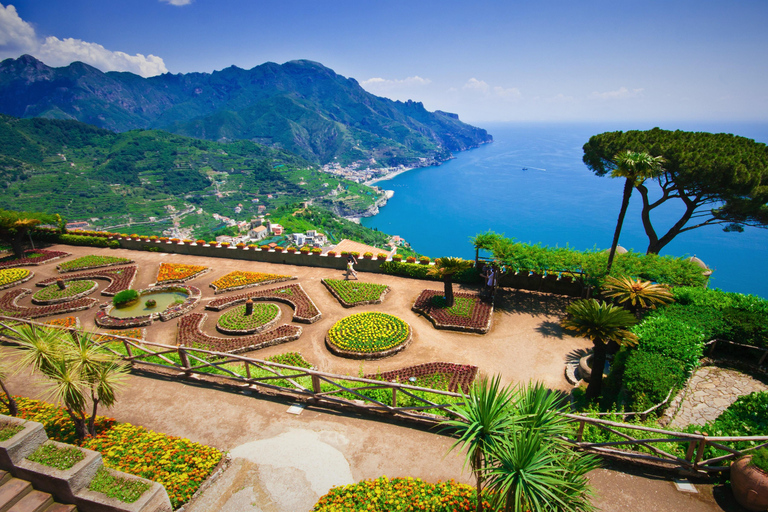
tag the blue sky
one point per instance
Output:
(650, 61)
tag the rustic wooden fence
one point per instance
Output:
(429, 406)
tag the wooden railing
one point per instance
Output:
(330, 389)
(712, 344)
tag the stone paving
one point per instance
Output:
(709, 392)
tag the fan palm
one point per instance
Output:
(601, 323)
(445, 268)
(485, 417)
(635, 168)
(637, 293)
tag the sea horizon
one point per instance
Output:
(556, 201)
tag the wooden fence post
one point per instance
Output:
(760, 363)
(700, 452)
(184, 359)
(316, 384)
(247, 369)
(394, 397)
(712, 348)
(580, 433)
(128, 350)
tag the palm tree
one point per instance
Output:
(485, 417)
(14, 225)
(77, 368)
(635, 168)
(638, 294)
(444, 269)
(602, 323)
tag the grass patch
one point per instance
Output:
(352, 293)
(72, 288)
(462, 306)
(55, 457)
(126, 490)
(8, 430)
(85, 262)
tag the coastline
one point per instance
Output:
(388, 176)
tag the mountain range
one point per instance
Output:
(300, 106)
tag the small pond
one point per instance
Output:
(163, 299)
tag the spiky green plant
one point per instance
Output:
(636, 293)
(601, 323)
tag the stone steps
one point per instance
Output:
(17, 495)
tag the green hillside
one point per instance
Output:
(133, 181)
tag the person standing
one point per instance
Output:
(350, 266)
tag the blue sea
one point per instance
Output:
(531, 185)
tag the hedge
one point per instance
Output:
(90, 241)
(648, 377)
(418, 271)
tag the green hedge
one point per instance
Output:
(520, 257)
(648, 377)
(53, 237)
(418, 271)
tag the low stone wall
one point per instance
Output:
(305, 260)
(551, 283)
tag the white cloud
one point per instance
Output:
(481, 86)
(381, 84)
(18, 37)
(177, 2)
(620, 93)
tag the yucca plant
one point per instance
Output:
(601, 323)
(77, 368)
(485, 417)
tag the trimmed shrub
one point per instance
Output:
(672, 338)
(124, 297)
(417, 271)
(648, 377)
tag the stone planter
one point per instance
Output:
(749, 485)
(585, 368)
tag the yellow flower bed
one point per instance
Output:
(178, 272)
(241, 278)
(369, 332)
(11, 275)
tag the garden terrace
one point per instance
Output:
(179, 273)
(9, 306)
(459, 375)
(10, 277)
(92, 261)
(190, 334)
(294, 295)
(470, 313)
(119, 279)
(240, 279)
(356, 293)
(44, 256)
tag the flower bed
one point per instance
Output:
(239, 279)
(294, 295)
(236, 321)
(456, 375)
(9, 306)
(468, 314)
(402, 494)
(290, 359)
(34, 257)
(368, 335)
(119, 279)
(12, 276)
(355, 293)
(178, 464)
(67, 321)
(178, 273)
(88, 262)
(190, 334)
(52, 294)
(103, 318)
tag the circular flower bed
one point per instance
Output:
(52, 294)
(13, 276)
(368, 336)
(235, 321)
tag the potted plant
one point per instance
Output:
(316, 250)
(424, 260)
(368, 255)
(410, 259)
(749, 480)
(200, 242)
(304, 250)
(331, 254)
(188, 242)
(224, 244)
(397, 257)
(264, 247)
(240, 245)
(291, 250)
(175, 240)
(213, 243)
(278, 248)
(381, 256)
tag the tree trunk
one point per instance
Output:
(478, 463)
(92, 419)
(13, 409)
(598, 364)
(628, 184)
(16, 243)
(80, 427)
(448, 291)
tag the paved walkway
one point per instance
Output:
(709, 392)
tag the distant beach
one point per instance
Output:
(389, 176)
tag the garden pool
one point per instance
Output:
(138, 308)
